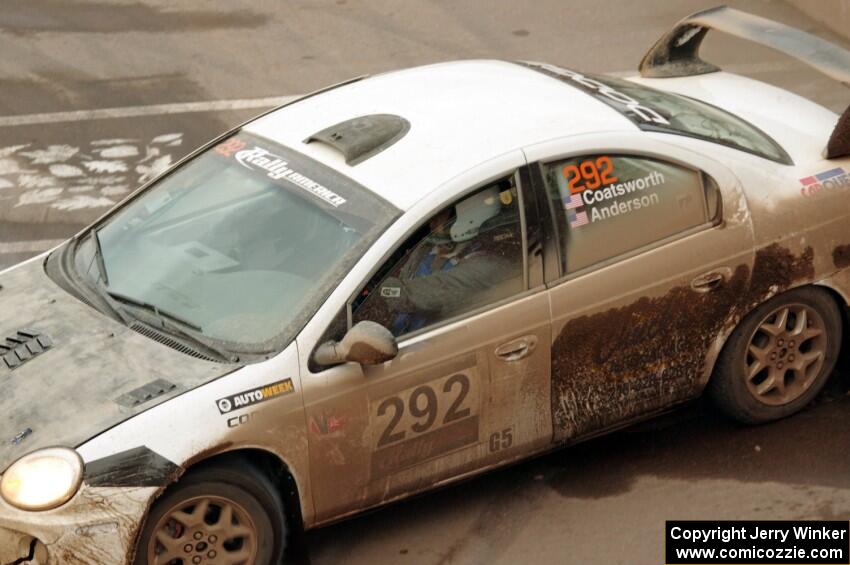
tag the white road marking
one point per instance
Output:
(39, 196)
(65, 171)
(167, 138)
(118, 151)
(136, 111)
(52, 154)
(56, 175)
(10, 247)
(62, 153)
(106, 166)
(83, 201)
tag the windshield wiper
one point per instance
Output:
(159, 312)
(98, 253)
(99, 285)
(163, 315)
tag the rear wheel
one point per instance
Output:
(779, 357)
(225, 514)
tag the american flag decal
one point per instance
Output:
(576, 219)
(573, 201)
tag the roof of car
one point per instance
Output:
(461, 114)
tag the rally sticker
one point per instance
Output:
(276, 168)
(254, 396)
(258, 158)
(832, 179)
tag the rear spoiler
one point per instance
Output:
(676, 54)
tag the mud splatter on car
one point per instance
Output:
(841, 256)
(614, 365)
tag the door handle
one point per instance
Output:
(708, 281)
(517, 349)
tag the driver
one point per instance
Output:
(451, 269)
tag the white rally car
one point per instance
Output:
(404, 280)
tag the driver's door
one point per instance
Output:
(470, 385)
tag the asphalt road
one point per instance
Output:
(603, 501)
(64, 161)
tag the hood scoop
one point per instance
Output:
(23, 346)
(363, 137)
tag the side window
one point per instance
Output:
(607, 205)
(466, 256)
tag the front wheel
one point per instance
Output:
(224, 514)
(779, 357)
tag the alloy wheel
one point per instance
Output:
(207, 530)
(785, 354)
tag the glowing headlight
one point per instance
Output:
(42, 480)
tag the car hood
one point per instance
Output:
(85, 372)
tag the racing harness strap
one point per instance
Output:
(676, 54)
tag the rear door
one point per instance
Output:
(655, 249)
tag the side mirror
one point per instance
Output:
(367, 343)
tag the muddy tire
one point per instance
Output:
(227, 509)
(779, 357)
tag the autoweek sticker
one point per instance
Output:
(254, 396)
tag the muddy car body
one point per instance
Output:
(495, 259)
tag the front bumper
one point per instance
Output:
(97, 527)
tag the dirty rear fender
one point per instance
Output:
(776, 269)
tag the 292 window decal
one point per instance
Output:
(594, 172)
(593, 181)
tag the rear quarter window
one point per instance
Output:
(609, 205)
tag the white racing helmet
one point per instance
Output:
(473, 212)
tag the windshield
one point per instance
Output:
(241, 244)
(656, 110)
